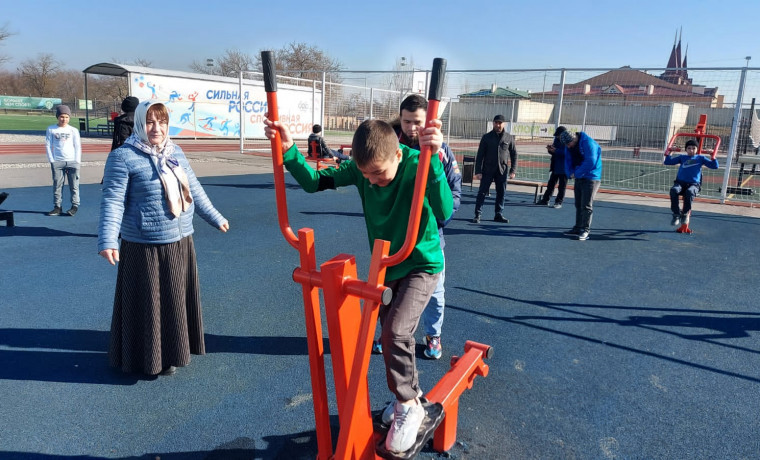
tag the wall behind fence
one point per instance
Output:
(633, 112)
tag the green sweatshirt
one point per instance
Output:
(387, 209)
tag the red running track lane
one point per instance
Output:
(39, 149)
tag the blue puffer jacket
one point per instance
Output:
(591, 164)
(133, 202)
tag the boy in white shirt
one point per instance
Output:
(64, 152)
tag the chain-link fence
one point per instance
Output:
(632, 113)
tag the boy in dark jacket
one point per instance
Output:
(558, 173)
(124, 123)
(323, 150)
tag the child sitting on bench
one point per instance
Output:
(688, 179)
(384, 173)
(324, 150)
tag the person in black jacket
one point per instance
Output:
(324, 150)
(558, 172)
(124, 123)
(491, 167)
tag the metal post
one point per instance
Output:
(242, 116)
(585, 110)
(560, 97)
(732, 139)
(448, 125)
(371, 102)
(668, 135)
(324, 96)
(86, 107)
(314, 105)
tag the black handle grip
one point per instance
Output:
(267, 64)
(436, 79)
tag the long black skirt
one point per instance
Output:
(157, 320)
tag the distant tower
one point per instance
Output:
(676, 73)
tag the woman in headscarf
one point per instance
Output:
(150, 194)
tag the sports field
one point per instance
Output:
(23, 122)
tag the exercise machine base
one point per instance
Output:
(433, 417)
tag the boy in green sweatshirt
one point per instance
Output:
(384, 173)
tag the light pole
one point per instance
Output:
(748, 58)
(543, 86)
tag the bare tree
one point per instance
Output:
(304, 61)
(11, 84)
(228, 65)
(401, 78)
(142, 62)
(4, 33)
(69, 85)
(107, 90)
(138, 62)
(39, 73)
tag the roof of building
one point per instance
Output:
(498, 92)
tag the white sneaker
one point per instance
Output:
(406, 422)
(390, 409)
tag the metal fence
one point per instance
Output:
(632, 113)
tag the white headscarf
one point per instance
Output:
(173, 177)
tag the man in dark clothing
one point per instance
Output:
(496, 146)
(124, 123)
(324, 150)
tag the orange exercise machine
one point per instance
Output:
(700, 133)
(351, 325)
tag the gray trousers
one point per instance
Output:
(399, 321)
(71, 170)
(585, 191)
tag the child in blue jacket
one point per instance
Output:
(689, 178)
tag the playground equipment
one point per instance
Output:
(351, 325)
(700, 134)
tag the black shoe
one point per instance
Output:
(542, 203)
(73, 210)
(573, 231)
(500, 218)
(171, 370)
(3, 196)
(476, 219)
(55, 212)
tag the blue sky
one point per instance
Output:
(373, 35)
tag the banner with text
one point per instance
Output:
(28, 103)
(208, 108)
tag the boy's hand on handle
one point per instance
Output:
(271, 127)
(111, 255)
(432, 135)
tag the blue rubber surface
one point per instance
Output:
(638, 343)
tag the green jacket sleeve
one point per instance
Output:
(314, 181)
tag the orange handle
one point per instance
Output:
(413, 227)
(270, 86)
